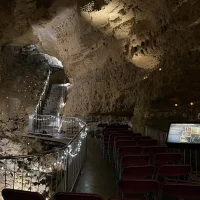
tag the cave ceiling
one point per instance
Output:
(130, 50)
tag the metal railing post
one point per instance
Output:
(41, 167)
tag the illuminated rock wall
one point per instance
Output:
(114, 52)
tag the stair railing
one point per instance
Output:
(50, 171)
(43, 94)
(39, 105)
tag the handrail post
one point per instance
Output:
(36, 166)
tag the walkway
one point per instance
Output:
(53, 139)
(98, 176)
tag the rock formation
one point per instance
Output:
(124, 58)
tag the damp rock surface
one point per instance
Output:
(123, 57)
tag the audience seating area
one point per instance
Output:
(145, 170)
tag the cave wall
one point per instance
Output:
(21, 87)
(108, 90)
(122, 57)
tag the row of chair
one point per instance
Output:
(136, 150)
(163, 173)
(149, 179)
(150, 188)
(143, 167)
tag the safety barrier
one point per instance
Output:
(190, 156)
(43, 95)
(47, 172)
(51, 125)
(156, 134)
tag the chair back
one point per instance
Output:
(147, 142)
(124, 143)
(142, 138)
(122, 137)
(10, 194)
(173, 171)
(137, 172)
(134, 160)
(181, 190)
(129, 150)
(166, 158)
(152, 150)
(114, 135)
(137, 187)
(76, 196)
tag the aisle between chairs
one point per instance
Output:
(98, 175)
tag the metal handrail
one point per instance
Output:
(61, 168)
(42, 96)
(190, 156)
(46, 152)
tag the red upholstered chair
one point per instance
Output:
(181, 190)
(142, 138)
(173, 171)
(76, 196)
(152, 150)
(121, 138)
(106, 140)
(123, 143)
(137, 172)
(133, 160)
(112, 138)
(167, 158)
(135, 187)
(125, 131)
(147, 142)
(128, 150)
(10, 194)
(111, 143)
(105, 137)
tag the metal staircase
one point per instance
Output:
(54, 100)
(48, 120)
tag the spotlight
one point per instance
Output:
(175, 104)
(191, 103)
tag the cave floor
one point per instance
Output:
(98, 175)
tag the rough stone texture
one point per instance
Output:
(30, 171)
(105, 91)
(122, 56)
(125, 58)
(21, 84)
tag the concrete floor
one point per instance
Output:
(98, 175)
